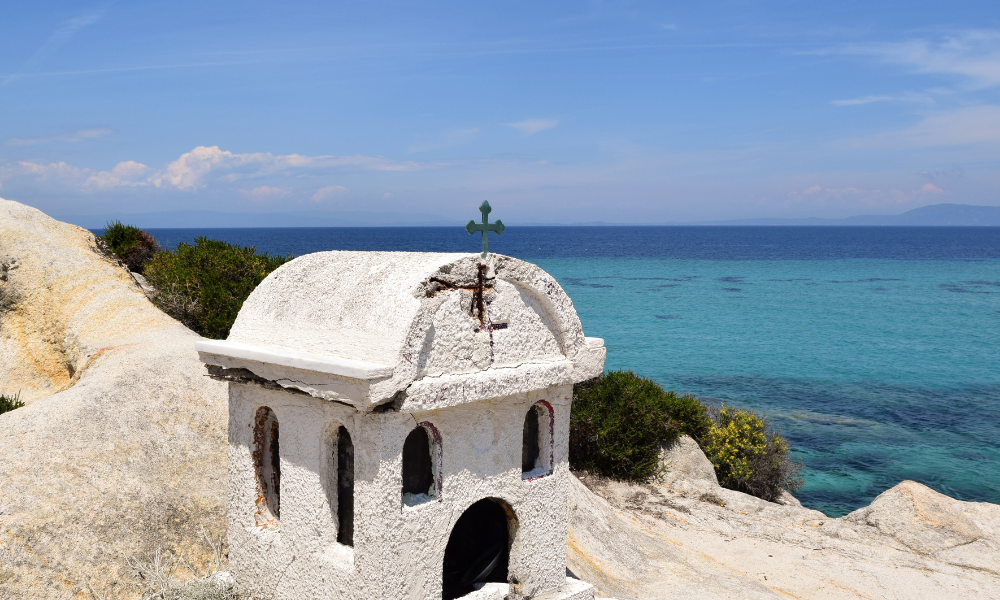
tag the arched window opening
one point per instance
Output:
(530, 441)
(478, 550)
(345, 487)
(536, 445)
(418, 467)
(267, 464)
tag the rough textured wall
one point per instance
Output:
(122, 448)
(401, 547)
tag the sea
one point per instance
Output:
(874, 350)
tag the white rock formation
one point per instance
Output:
(654, 542)
(121, 449)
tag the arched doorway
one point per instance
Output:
(478, 549)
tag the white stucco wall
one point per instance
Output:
(398, 550)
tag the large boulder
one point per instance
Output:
(684, 467)
(932, 524)
(121, 450)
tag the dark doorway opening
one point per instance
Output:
(418, 471)
(478, 550)
(345, 488)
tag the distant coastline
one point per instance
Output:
(936, 215)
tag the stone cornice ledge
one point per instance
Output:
(430, 393)
(332, 365)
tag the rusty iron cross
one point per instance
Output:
(485, 226)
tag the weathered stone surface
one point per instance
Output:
(121, 450)
(650, 542)
(929, 522)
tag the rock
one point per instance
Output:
(684, 461)
(121, 450)
(786, 499)
(651, 542)
(623, 558)
(141, 280)
(931, 523)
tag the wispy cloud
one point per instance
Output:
(971, 125)
(72, 136)
(818, 195)
(533, 126)
(58, 38)
(264, 193)
(328, 192)
(973, 55)
(448, 140)
(868, 100)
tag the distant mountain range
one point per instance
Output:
(934, 215)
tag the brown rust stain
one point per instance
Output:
(435, 285)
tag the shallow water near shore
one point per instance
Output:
(874, 350)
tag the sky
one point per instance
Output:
(622, 112)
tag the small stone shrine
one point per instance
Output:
(398, 428)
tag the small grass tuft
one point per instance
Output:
(9, 403)
(712, 499)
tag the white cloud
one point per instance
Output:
(127, 173)
(328, 192)
(533, 126)
(200, 167)
(73, 136)
(191, 169)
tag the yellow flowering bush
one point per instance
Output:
(747, 456)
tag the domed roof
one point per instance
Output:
(422, 329)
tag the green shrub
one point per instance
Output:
(9, 403)
(748, 456)
(203, 286)
(620, 420)
(131, 245)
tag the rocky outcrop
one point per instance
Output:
(964, 534)
(674, 540)
(120, 451)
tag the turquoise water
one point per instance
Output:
(873, 350)
(876, 370)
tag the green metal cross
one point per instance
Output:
(485, 226)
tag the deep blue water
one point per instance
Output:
(874, 350)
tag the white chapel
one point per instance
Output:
(398, 428)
